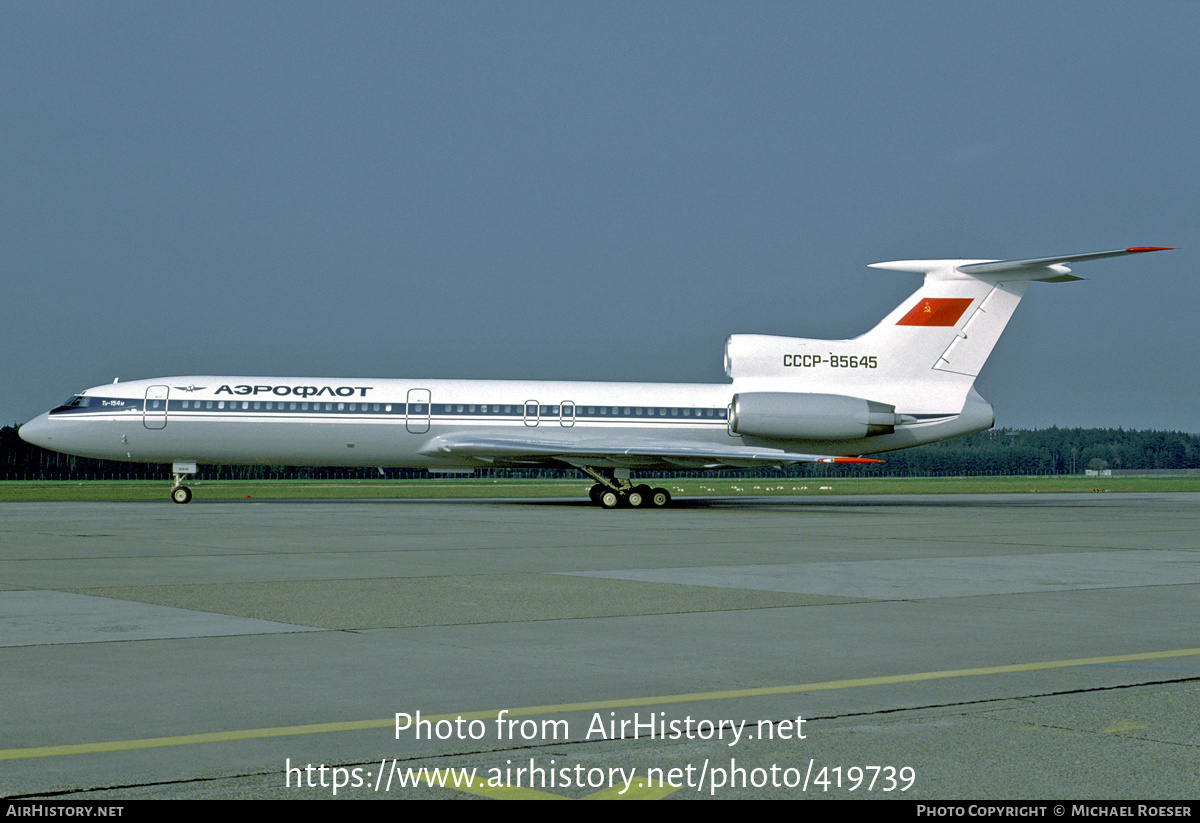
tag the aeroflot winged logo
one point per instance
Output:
(936, 311)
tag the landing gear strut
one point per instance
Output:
(179, 492)
(613, 490)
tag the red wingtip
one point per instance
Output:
(855, 460)
(1137, 249)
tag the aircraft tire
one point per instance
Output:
(181, 494)
(660, 498)
(609, 499)
(635, 499)
(595, 491)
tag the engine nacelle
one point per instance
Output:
(796, 416)
(756, 355)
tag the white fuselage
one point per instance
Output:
(388, 422)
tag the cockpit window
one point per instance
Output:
(78, 401)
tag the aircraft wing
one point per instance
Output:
(644, 454)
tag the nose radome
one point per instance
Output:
(37, 431)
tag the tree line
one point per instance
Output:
(1052, 451)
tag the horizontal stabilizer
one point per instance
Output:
(1045, 269)
(1050, 265)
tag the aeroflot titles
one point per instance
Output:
(299, 391)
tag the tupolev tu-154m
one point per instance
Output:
(910, 380)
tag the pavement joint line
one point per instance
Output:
(594, 705)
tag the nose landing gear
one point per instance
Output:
(179, 492)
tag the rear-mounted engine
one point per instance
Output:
(796, 416)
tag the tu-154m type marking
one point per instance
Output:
(910, 380)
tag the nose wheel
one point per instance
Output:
(179, 470)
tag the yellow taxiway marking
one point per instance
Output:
(594, 705)
(480, 787)
(1124, 726)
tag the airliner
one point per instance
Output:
(908, 381)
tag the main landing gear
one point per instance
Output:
(612, 491)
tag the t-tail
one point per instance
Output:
(910, 379)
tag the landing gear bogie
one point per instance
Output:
(613, 489)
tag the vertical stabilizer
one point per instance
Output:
(923, 357)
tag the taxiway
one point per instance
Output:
(999, 646)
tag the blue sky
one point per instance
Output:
(597, 191)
